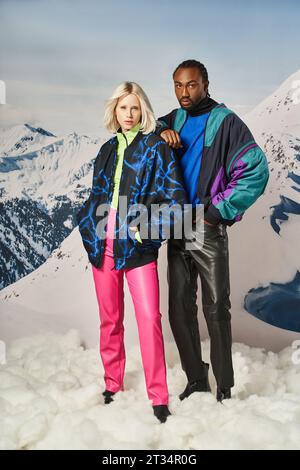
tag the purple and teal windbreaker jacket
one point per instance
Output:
(234, 169)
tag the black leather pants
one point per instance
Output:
(212, 264)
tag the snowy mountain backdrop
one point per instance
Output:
(44, 179)
(276, 127)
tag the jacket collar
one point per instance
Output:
(181, 116)
(128, 135)
(134, 136)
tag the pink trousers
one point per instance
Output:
(144, 289)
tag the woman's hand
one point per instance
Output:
(172, 138)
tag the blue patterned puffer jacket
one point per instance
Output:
(150, 175)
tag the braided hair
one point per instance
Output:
(191, 63)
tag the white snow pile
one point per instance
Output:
(50, 398)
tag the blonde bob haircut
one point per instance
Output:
(148, 123)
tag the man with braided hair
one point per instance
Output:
(226, 171)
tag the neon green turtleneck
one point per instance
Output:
(124, 139)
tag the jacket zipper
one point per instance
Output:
(122, 175)
(111, 182)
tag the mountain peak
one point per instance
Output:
(281, 109)
(39, 130)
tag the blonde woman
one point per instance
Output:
(139, 166)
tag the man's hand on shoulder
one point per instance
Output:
(172, 138)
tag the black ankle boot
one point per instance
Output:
(201, 385)
(161, 412)
(223, 394)
(108, 396)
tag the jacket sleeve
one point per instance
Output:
(246, 171)
(168, 192)
(86, 216)
(83, 209)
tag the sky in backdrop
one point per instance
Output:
(61, 59)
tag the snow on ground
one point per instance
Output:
(50, 398)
